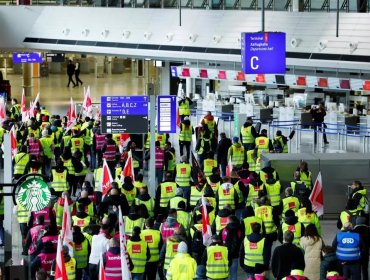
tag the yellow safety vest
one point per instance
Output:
(22, 214)
(59, 212)
(211, 125)
(249, 221)
(81, 253)
(221, 223)
(77, 143)
(171, 252)
(21, 160)
(237, 158)
(307, 180)
(97, 178)
(217, 262)
(172, 162)
(290, 202)
(59, 183)
(273, 192)
(149, 204)
(186, 133)
(226, 197)
(174, 202)
(214, 186)
(89, 210)
(202, 143)
(130, 224)
(35, 132)
(183, 172)
(197, 227)
(283, 145)
(71, 269)
(161, 137)
(138, 185)
(88, 137)
(254, 164)
(69, 165)
(184, 218)
(264, 175)
(362, 203)
(195, 195)
(168, 191)
(253, 193)
(262, 144)
(46, 145)
(183, 266)
(137, 252)
(130, 195)
(247, 137)
(296, 229)
(265, 214)
(184, 108)
(253, 252)
(82, 223)
(209, 164)
(152, 237)
(309, 218)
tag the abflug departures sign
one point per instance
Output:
(124, 114)
(263, 53)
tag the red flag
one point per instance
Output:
(31, 110)
(317, 197)
(229, 168)
(67, 234)
(101, 269)
(87, 103)
(128, 170)
(106, 179)
(71, 116)
(206, 227)
(23, 108)
(123, 141)
(2, 110)
(60, 268)
(178, 120)
(13, 141)
(126, 275)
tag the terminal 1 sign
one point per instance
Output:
(263, 53)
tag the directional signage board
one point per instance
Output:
(124, 114)
(27, 58)
(167, 114)
(263, 53)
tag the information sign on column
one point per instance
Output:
(167, 113)
(124, 114)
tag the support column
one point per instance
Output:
(153, 115)
(298, 5)
(164, 78)
(27, 79)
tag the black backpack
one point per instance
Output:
(206, 145)
(277, 146)
(301, 191)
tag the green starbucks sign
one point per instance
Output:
(34, 194)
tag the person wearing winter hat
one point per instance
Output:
(183, 266)
(236, 154)
(291, 223)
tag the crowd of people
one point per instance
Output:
(260, 228)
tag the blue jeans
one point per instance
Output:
(186, 191)
(158, 176)
(223, 169)
(137, 276)
(234, 269)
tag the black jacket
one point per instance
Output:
(222, 150)
(329, 263)
(114, 200)
(290, 221)
(234, 238)
(254, 237)
(285, 258)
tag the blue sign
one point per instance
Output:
(167, 114)
(27, 58)
(174, 72)
(263, 53)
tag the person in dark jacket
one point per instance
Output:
(318, 114)
(249, 123)
(222, 150)
(286, 257)
(222, 213)
(329, 262)
(36, 264)
(290, 219)
(78, 240)
(49, 233)
(114, 199)
(232, 237)
(362, 228)
(86, 202)
(67, 258)
(70, 72)
(254, 237)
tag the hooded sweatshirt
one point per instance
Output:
(254, 237)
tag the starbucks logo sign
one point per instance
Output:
(34, 194)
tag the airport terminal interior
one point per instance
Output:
(275, 94)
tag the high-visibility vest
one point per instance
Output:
(58, 208)
(184, 108)
(152, 237)
(186, 133)
(137, 251)
(36, 132)
(253, 193)
(264, 176)
(221, 223)
(149, 204)
(253, 252)
(361, 205)
(265, 214)
(309, 218)
(2, 131)
(296, 229)
(34, 145)
(77, 143)
(184, 218)
(89, 209)
(211, 125)
(171, 251)
(239, 192)
(209, 164)
(247, 137)
(71, 269)
(69, 165)
(249, 221)
(110, 152)
(130, 195)
(273, 192)
(130, 224)
(217, 262)
(22, 214)
(113, 267)
(237, 158)
(59, 183)
(290, 202)
(159, 158)
(81, 253)
(197, 227)
(202, 144)
(345, 216)
(161, 137)
(82, 223)
(254, 164)
(214, 186)
(195, 195)
(88, 137)
(183, 266)
(307, 180)
(183, 172)
(283, 145)
(348, 246)
(21, 160)
(17, 110)
(226, 196)
(171, 162)
(138, 185)
(56, 136)
(97, 178)
(168, 191)
(262, 144)
(174, 202)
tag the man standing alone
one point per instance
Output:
(70, 72)
(77, 73)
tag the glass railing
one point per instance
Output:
(273, 5)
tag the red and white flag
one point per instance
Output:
(13, 141)
(71, 116)
(124, 139)
(31, 110)
(23, 108)
(206, 227)
(106, 179)
(87, 104)
(128, 169)
(2, 110)
(317, 196)
(67, 234)
(126, 275)
(178, 120)
(229, 167)
(101, 269)
(60, 267)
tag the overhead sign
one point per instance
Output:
(263, 53)
(34, 194)
(27, 58)
(124, 114)
(55, 57)
(167, 114)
